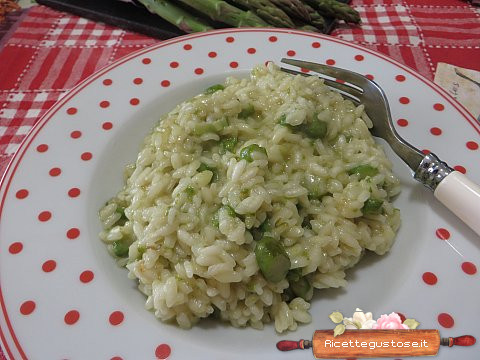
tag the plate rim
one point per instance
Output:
(16, 159)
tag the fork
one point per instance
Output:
(452, 188)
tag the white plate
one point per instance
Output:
(62, 296)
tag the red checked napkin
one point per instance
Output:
(48, 53)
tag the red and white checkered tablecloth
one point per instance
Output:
(47, 52)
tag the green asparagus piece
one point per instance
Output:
(260, 231)
(121, 210)
(362, 171)
(302, 288)
(247, 152)
(336, 9)
(204, 167)
(294, 274)
(219, 10)
(265, 226)
(294, 8)
(214, 88)
(123, 218)
(120, 248)
(246, 112)
(216, 215)
(316, 19)
(228, 144)
(315, 129)
(299, 285)
(315, 185)
(282, 120)
(272, 259)
(190, 191)
(141, 250)
(212, 127)
(301, 25)
(267, 11)
(176, 16)
(372, 206)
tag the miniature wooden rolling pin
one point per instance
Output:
(375, 343)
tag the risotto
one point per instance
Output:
(246, 198)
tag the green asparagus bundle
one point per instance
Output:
(176, 16)
(267, 11)
(294, 8)
(335, 9)
(219, 10)
(299, 14)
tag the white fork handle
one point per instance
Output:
(462, 197)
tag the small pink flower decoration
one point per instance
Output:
(361, 320)
(389, 322)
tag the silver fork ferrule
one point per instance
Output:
(432, 171)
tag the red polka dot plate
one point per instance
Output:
(61, 294)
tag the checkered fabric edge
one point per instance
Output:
(48, 54)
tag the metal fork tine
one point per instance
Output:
(343, 89)
(353, 90)
(343, 74)
(293, 72)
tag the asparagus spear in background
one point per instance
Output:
(294, 8)
(300, 25)
(316, 19)
(335, 9)
(219, 10)
(267, 11)
(176, 16)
